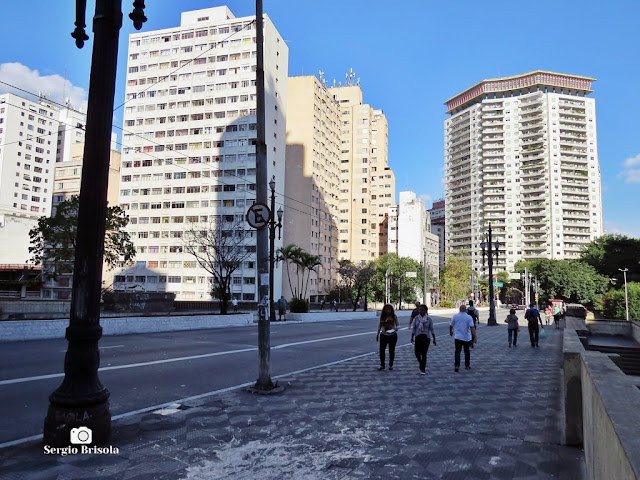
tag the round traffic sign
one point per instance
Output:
(258, 215)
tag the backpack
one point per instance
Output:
(473, 313)
(531, 315)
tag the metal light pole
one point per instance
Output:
(424, 279)
(81, 400)
(626, 298)
(272, 239)
(489, 249)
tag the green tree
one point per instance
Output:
(571, 280)
(53, 240)
(220, 247)
(355, 279)
(455, 277)
(303, 263)
(610, 253)
(613, 305)
(401, 287)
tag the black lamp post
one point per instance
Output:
(272, 239)
(81, 400)
(489, 249)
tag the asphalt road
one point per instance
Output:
(147, 370)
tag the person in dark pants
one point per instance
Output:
(464, 332)
(512, 332)
(414, 313)
(421, 328)
(533, 317)
(387, 335)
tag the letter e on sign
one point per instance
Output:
(258, 215)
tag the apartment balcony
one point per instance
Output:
(492, 145)
(577, 175)
(537, 228)
(531, 134)
(490, 107)
(493, 199)
(493, 130)
(528, 174)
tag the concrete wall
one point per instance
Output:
(601, 405)
(42, 329)
(34, 308)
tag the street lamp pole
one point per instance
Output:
(626, 298)
(81, 399)
(272, 239)
(490, 249)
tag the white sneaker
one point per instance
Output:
(422, 373)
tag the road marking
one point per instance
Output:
(101, 348)
(196, 397)
(180, 359)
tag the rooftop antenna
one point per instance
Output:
(322, 79)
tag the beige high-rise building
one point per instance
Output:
(367, 183)
(312, 179)
(521, 155)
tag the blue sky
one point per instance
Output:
(410, 57)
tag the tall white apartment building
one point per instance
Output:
(28, 134)
(188, 153)
(313, 180)
(410, 232)
(436, 213)
(367, 183)
(71, 131)
(521, 155)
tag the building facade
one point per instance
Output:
(313, 180)
(28, 135)
(367, 183)
(521, 155)
(437, 214)
(410, 233)
(189, 155)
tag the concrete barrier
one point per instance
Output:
(602, 405)
(43, 329)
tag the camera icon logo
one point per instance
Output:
(81, 435)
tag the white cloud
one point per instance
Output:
(426, 198)
(630, 174)
(53, 87)
(613, 227)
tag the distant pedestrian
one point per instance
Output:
(282, 308)
(414, 314)
(548, 314)
(475, 315)
(513, 327)
(334, 304)
(387, 335)
(234, 302)
(557, 313)
(533, 317)
(322, 304)
(421, 329)
(463, 331)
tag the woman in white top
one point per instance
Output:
(421, 329)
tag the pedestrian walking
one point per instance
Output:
(414, 313)
(463, 331)
(474, 314)
(234, 302)
(533, 317)
(557, 313)
(334, 304)
(322, 304)
(548, 314)
(387, 335)
(282, 308)
(513, 327)
(421, 329)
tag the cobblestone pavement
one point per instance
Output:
(499, 420)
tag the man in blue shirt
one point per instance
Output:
(463, 331)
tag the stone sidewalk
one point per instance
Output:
(499, 420)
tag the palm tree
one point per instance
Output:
(309, 263)
(291, 254)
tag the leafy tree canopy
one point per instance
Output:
(455, 277)
(610, 253)
(53, 240)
